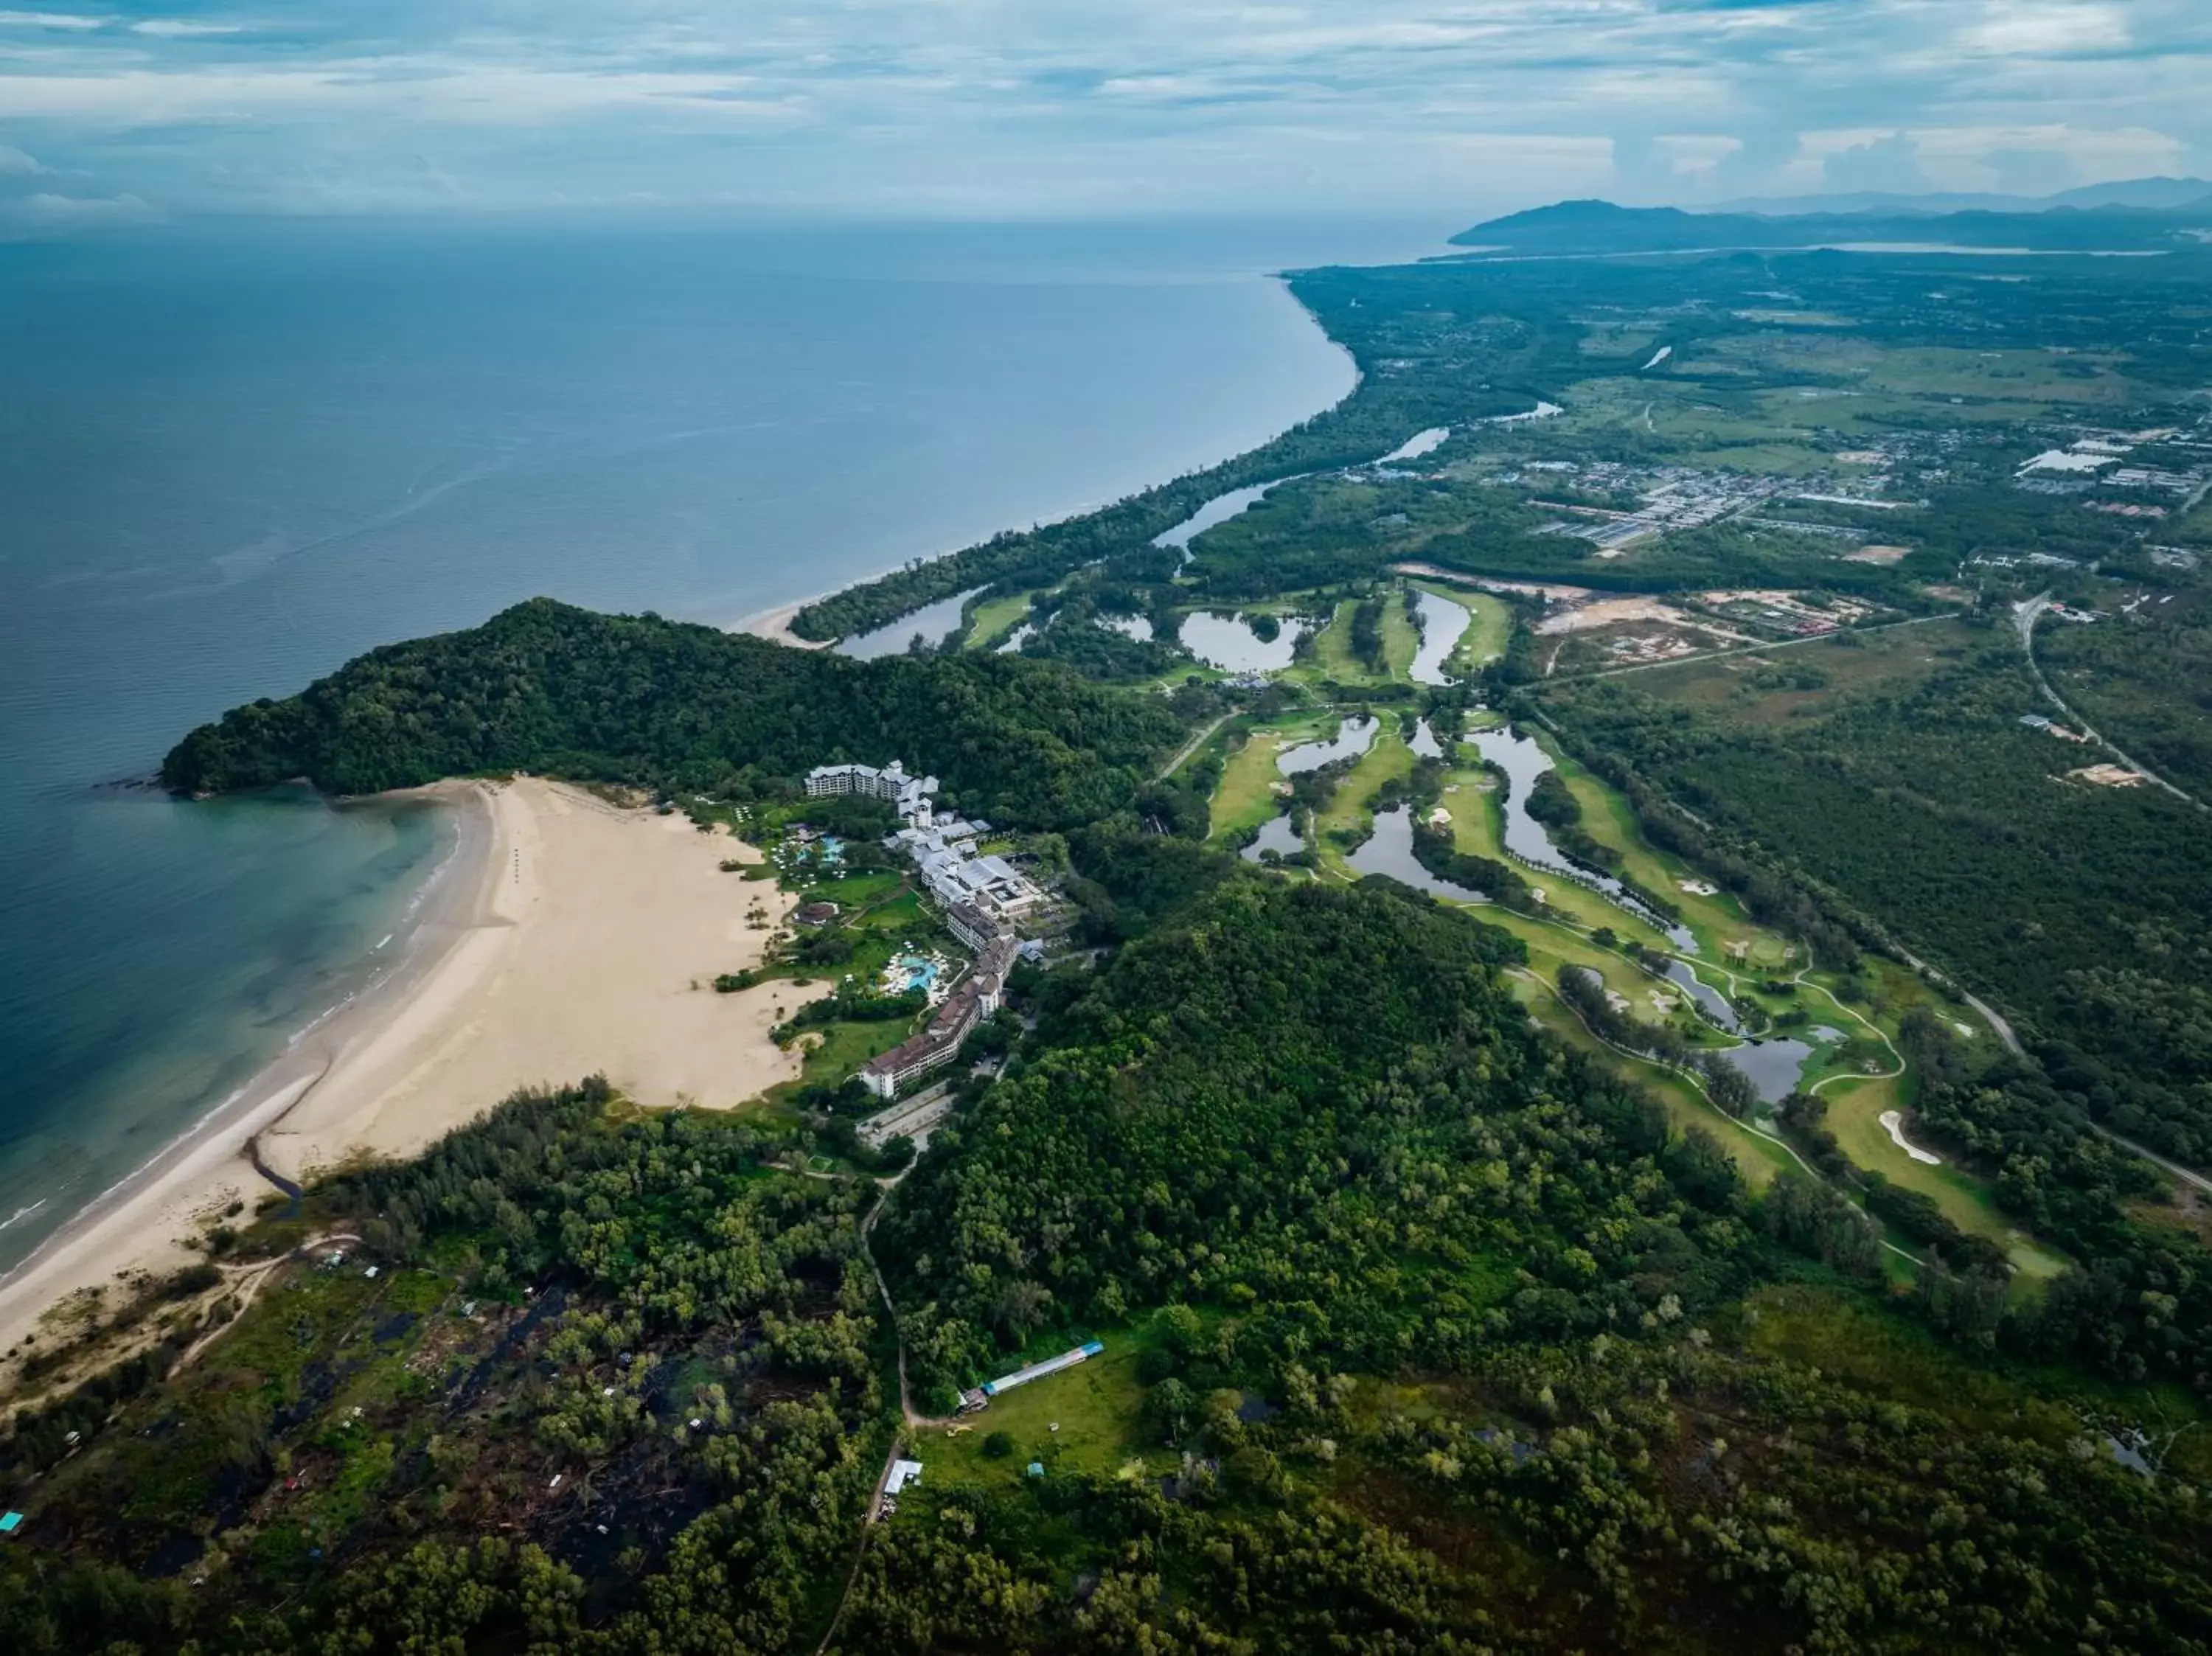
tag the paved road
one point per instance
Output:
(2152, 1156)
(2025, 613)
(1193, 746)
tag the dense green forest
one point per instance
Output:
(1454, 1342)
(635, 698)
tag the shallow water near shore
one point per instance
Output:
(239, 458)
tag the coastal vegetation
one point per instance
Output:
(657, 704)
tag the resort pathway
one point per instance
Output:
(1991, 1015)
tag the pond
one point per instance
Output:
(1524, 762)
(1229, 642)
(1389, 850)
(1704, 994)
(1353, 737)
(1773, 1065)
(1021, 636)
(1424, 743)
(1138, 628)
(1420, 443)
(1278, 834)
(1442, 624)
(934, 621)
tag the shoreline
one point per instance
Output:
(562, 937)
(136, 1223)
(775, 625)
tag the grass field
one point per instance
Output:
(1484, 639)
(991, 620)
(1247, 795)
(1749, 687)
(1759, 1158)
(1331, 656)
(1096, 1406)
(1716, 921)
(1401, 640)
(1855, 1101)
(1389, 756)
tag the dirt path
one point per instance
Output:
(2025, 615)
(1748, 649)
(254, 1278)
(913, 1420)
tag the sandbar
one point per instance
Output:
(775, 625)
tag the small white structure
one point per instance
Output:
(903, 1472)
(1038, 1370)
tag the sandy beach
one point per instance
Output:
(775, 625)
(568, 936)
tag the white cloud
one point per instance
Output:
(68, 21)
(1072, 104)
(49, 213)
(13, 163)
(183, 28)
(2006, 29)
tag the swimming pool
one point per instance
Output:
(907, 973)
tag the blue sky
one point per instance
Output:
(967, 108)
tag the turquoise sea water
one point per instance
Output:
(230, 458)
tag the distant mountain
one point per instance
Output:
(1602, 227)
(2157, 194)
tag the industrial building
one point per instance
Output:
(976, 1398)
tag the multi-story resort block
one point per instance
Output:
(976, 998)
(910, 795)
(982, 896)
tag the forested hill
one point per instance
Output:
(1240, 1111)
(1599, 227)
(636, 699)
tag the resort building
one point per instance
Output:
(976, 998)
(911, 795)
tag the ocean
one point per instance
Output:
(236, 455)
